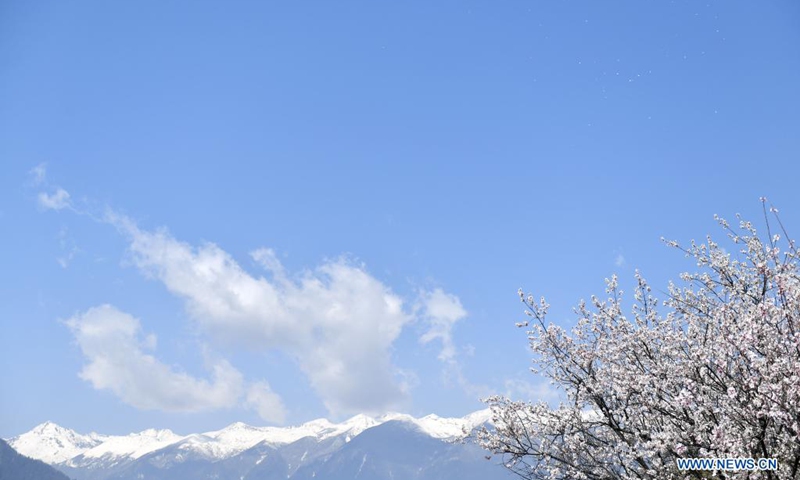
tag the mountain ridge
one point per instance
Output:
(57, 445)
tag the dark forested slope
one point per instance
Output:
(14, 466)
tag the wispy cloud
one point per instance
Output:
(442, 311)
(57, 200)
(38, 174)
(49, 197)
(619, 260)
(68, 247)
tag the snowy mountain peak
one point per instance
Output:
(479, 417)
(49, 427)
(158, 434)
(53, 443)
(403, 417)
(318, 423)
(359, 423)
(238, 426)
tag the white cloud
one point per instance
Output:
(337, 321)
(55, 201)
(38, 174)
(265, 402)
(619, 261)
(442, 310)
(111, 341)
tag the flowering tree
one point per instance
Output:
(714, 371)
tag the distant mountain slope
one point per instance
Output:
(14, 466)
(401, 450)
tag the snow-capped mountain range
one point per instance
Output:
(240, 447)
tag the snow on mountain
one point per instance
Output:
(53, 444)
(444, 428)
(57, 445)
(133, 446)
(451, 428)
(224, 443)
(239, 437)
(351, 427)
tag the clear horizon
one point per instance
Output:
(274, 213)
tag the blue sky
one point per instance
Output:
(271, 212)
